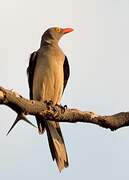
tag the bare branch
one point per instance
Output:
(57, 113)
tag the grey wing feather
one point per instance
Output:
(66, 69)
(30, 71)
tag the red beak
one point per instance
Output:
(67, 30)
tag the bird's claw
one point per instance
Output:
(63, 108)
(49, 104)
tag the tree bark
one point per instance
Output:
(58, 113)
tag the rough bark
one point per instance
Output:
(47, 110)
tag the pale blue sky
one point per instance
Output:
(99, 58)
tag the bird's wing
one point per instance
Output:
(66, 69)
(30, 71)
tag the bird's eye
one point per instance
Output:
(58, 29)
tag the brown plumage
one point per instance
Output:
(48, 73)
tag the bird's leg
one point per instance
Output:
(19, 117)
(49, 104)
(51, 108)
(63, 108)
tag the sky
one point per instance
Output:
(99, 59)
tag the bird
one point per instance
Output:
(48, 73)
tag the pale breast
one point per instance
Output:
(48, 78)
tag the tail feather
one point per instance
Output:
(57, 146)
(50, 142)
(55, 140)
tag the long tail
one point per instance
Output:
(57, 145)
(56, 142)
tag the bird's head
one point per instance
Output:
(54, 34)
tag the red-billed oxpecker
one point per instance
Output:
(48, 73)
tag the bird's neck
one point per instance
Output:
(48, 42)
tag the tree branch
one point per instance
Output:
(47, 111)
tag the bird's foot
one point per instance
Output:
(50, 108)
(49, 104)
(63, 108)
